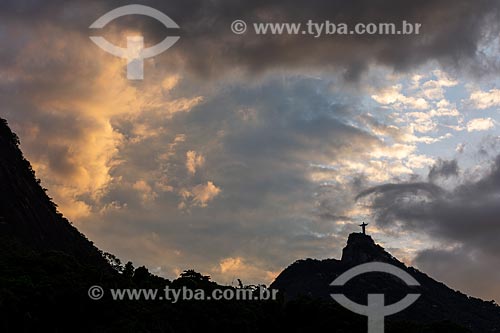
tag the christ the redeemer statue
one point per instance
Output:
(363, 225)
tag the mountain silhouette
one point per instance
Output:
(28, 217)
(312, 278)
(47, 267)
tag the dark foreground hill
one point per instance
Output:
(311, 278)
(47, 267)
(28, 217)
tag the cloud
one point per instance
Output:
(420, 161)
(433, 89)
(239, 268)
(443, 169)
(392, 95)
(465, 216)
(145, 190)
(204, 193)
(485, 99)
(193, 161)
(463, 268)
(480, 124)
(460, 148)
(69, 100)
(420, 107)
(209, 48)
(460, 214)
(445, 108)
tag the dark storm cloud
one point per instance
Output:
(467, 214)
(443, 169)
(463, 268)
(465, 219)
(451, 32)
(395, 190)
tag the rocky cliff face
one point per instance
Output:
(361, 248)
(28, 217)
(311, 278)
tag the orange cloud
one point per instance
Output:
(193, 161)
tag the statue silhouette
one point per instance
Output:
(363, 225)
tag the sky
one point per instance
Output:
(239, 154)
